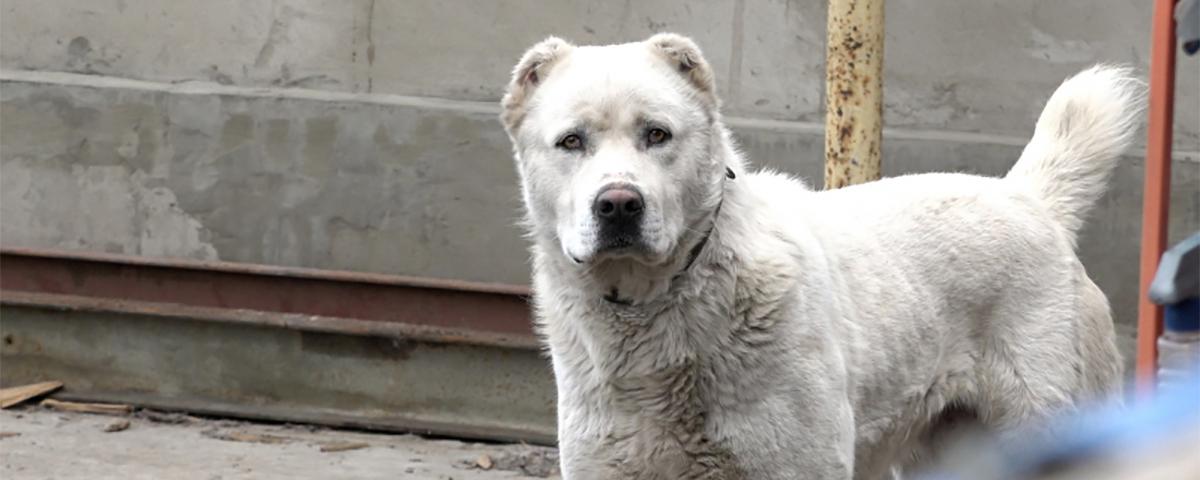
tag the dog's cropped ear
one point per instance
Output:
(530, 72)
(683, 54)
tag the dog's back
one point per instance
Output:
(973, 283)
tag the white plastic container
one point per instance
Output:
(1178, 358)
(1176, 286)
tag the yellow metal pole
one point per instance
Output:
(853, 92)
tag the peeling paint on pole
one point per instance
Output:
(853, 92)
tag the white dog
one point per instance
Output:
(708, 322)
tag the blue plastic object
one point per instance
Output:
(1178, 275)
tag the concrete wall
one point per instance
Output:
(361, 134)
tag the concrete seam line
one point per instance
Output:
(207, 88)
(197, 87)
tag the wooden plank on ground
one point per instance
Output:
(16, 395)
(102, 408)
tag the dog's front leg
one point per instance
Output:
(805, 435)
(824, 440)
(827, 436)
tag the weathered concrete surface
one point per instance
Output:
(73, 446)
(409, 186)
(950, 65)
(378, 183)
(988, 67)
(320, 44)
(201, 365)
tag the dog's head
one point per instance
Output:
(616, 146)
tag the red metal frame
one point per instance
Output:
(1157, 189)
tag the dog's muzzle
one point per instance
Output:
(618, 210)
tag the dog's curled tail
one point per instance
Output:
(1086, 125)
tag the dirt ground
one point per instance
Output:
(37, 443)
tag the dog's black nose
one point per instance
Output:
(618, 205)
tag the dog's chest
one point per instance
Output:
(642, 388)
(659, 427)
(651, 401)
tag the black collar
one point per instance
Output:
(613, 296)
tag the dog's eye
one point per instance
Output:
(571, 142)
(657, 136)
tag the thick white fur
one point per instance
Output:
(817, 334)
(1074, 148)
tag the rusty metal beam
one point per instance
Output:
(253, 318)
(489, 310)
(853, 91)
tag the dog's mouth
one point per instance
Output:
(620, 247)
(628, 241)
(616, 247)
(617, 244)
